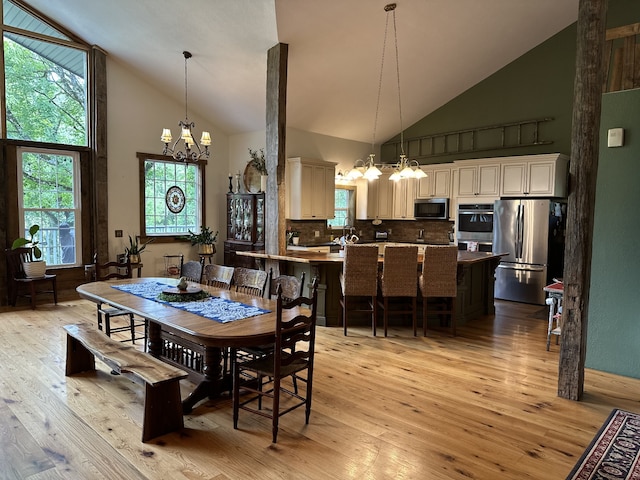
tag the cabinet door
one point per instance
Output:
(385, 197)
(442, 183)
(541, 179)
(514, 177)
(425, 185)
(467, 179)
(403, 198)
(488, 176)
(329, 192)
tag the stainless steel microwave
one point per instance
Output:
(431, 208)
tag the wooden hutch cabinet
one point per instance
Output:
(245, 227)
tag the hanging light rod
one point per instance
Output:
(190, 154)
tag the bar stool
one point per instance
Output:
(439, 284)
(359, 278)
(399, 280)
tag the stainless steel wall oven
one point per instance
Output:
(475, 224)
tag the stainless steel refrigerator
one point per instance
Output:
(532, 233)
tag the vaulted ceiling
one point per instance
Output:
(335, 52)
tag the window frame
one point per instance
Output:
(168, 237)
(77, 198)
(351, 209)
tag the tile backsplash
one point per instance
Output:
(398, 230)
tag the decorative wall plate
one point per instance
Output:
(251, 178)
(175, 199)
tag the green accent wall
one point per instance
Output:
(613, 339)
(538, 84)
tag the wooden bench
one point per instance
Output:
(162, 402)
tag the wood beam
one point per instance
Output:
(582, 191)
(275, 222)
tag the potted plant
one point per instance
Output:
(134, 249)
(260, 164)
(35, 267)
(205, 240)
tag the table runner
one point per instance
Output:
(213, 308)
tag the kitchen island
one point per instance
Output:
(476, 277)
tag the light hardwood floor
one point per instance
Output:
(482, 405)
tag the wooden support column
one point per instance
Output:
(98, 238)
(277, 58)
(582, 191)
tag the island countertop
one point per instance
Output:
(464, 257)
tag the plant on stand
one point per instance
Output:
(33, 265)
(134, 249)
(205, 240)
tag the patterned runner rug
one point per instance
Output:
(614, 451)
(213, 308)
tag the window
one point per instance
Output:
(45, 81)
(173, 200)
(345, 207)
(49, 196)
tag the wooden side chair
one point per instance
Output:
(218, 276)
(20, 286)
(439, 285)
(292, 287)
(358, 282)
(192, 271)
(399, 283)
(293, 355)
(250, 281)
(105, 312)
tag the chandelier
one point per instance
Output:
(192, 150)
(404, 168)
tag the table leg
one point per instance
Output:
(211, 385)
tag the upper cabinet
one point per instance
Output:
(535, 176)
(310, 189)
(481, 179)
(374, 198)
(437, 183)
(404, 195)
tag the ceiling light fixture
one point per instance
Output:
(190, 154)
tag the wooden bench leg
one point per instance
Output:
(79, 359)
(162, 410)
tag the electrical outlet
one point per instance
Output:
(118, 233)
(317, 233)
(389, 231)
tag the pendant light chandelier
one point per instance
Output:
(404, 168)
(190, 154)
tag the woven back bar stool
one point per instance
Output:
(358, 280)
(399, 281)
(439, 284)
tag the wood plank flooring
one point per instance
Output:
(482, 405)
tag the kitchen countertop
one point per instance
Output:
(464, 257)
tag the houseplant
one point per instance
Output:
(36, 267)
(134, 249)
(205, 240)
(260, 164)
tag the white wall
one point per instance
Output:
(137, 112)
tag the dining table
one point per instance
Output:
(179, 333)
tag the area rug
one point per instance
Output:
(614, 451)
(213, 308)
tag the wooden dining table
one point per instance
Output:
(190, 341)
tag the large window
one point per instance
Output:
(49, 196)
(45, 81)
(172, 197)
(345, 207)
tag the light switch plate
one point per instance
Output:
(615, 137)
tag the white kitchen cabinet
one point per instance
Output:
(310, 189)
(374, 198)
(437, 183)
(479, 179)
(535, 176)
(403, 198)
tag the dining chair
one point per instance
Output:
(292, 286)
(439, 285)
(20, 285)
(250, 281)
(116, 270)
(359, 283)
(192, 271)
(293, 355)
(218, 276)
(399, 283)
